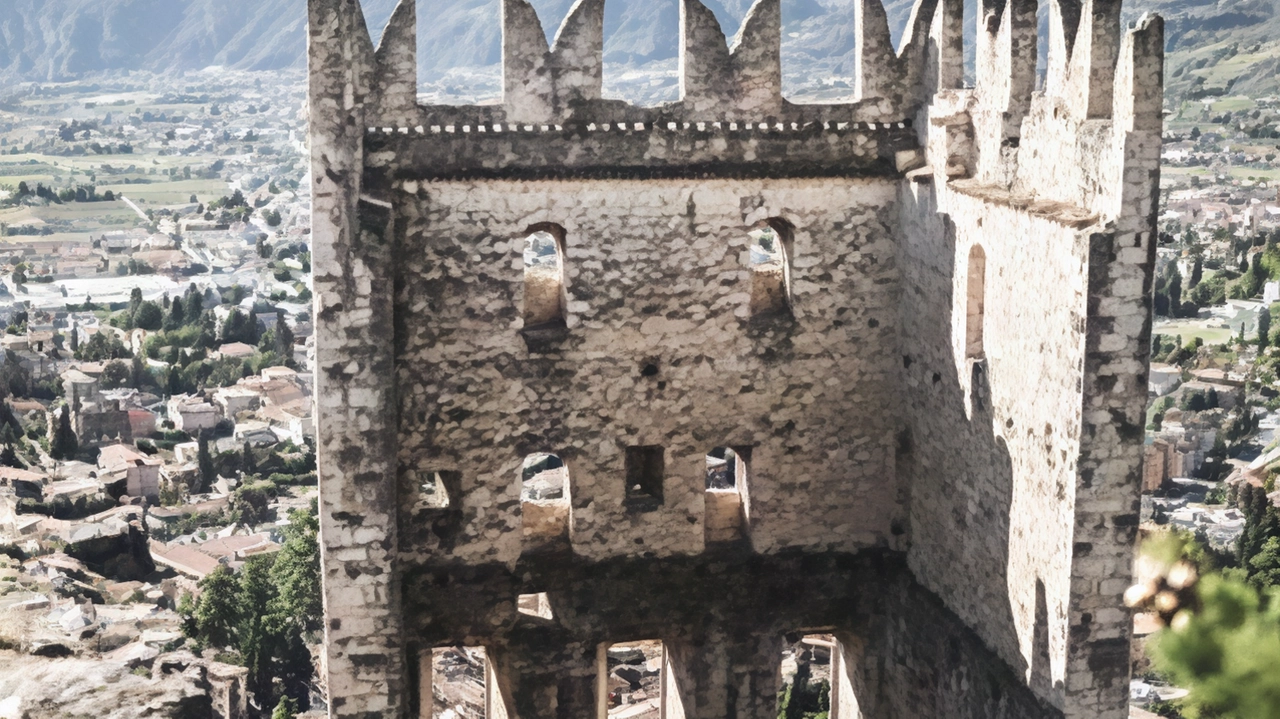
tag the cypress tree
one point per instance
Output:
(1175, 294)
(208, 473)
(135, 301)
(176, 314)
(248, 464)
(284, 338)
(195, 303)
(139, 377)
(8, 457)
(65, 444)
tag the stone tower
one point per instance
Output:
(917, 324)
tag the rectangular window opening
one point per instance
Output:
(646, 468)
(544, 291)
(633, 680)
(806, 675)
(726, 497)
(535, 605)
(457, 677)
(544, 502)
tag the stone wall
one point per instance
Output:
(354, 407)
(1025, 459)
(723, 618)
(661, 349)
(942, 464)
(991, 476)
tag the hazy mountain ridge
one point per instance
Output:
(1215, 47)
(460, 40)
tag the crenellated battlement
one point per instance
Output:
(973, 133)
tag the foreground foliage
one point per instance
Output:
(264, 614)
(1222, 640)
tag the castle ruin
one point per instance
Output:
(907, 334)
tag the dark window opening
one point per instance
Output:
(544, 285)
(646, 467)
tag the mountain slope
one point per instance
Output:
(1220, 48)
(61, 39)
(1223, 47)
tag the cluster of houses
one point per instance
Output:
(132, 472)
(86, 569)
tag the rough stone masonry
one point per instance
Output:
(935, 413)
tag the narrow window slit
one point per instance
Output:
(535, 605)
(975, 314)
(544, 284)
(770, 263)
(645, 471)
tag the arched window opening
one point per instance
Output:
(726, 475)
(633, 677)
(770, 261)
(544, 500)
(544, 286)
(816, 678)
(974, 317)
(542, 478)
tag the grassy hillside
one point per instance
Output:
(1219, 49)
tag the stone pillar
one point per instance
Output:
(355, 421)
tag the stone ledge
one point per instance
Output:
(651, 153)
(1060, 213)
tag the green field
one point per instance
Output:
(1189, 330)
(177, 192)
(158, 190)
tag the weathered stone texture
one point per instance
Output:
(991, 487)
(353, 377)
(657, 276)
(942, 462)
